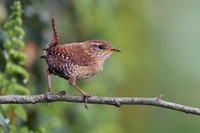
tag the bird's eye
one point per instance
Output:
(101, 46)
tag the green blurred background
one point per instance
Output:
(160, 43)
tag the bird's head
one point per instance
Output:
(100, 49)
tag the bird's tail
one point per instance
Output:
(54, 40)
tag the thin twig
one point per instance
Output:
(117, 101)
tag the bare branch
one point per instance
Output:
(117, 101)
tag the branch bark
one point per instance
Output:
(117, 101)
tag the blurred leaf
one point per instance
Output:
(24, 130)
(13, 68)
(21, 112)
(15, 73)
(2, 61)
(41, 130)
(21, 89)
(4, 124)
(18, 55)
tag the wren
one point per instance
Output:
(75, 61)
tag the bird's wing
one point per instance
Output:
(70, 53)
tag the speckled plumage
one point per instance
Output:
(74, 61)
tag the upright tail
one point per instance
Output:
(54, 40)
(55, 31)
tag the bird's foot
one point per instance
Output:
(86, 96)
(63, 92)
(47, 96)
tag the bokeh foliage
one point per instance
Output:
(159, 42)
(14, 75)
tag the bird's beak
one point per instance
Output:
(113, 50)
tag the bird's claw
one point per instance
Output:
(63, 92)
(86, 96)
(47, 97)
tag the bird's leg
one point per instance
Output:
(85, 95)
(49, 80)
(72, 83)
(50, 88)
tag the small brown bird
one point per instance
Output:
(75, 61)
